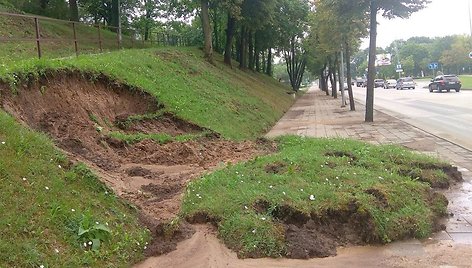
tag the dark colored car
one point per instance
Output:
(405, 82)
(445, 82)
(379, 83)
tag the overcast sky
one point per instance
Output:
(439, 18)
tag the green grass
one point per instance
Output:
(466, 82)
(337, 173)
(161, 138)
(45, 202)
(60, 35)
(238, 105)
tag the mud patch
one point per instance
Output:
(78, 111)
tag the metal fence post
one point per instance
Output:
(75, 40)
(38, 40)
(100, 38)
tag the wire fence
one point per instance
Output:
(27, 36)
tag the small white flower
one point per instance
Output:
(283, 193)
(56, 250)
(322, 166)
(73, 210)
(59, 166)
(85, 244)
(380, 178)
(301, 190)
(97, 223)
(337, 177)
(41, 266)
(137, 243)
(245, 207)
(263, 218)
(47, 188)
(90, 243)
(354, 173)
(145, 246)
(312, 197)
(106, 223)
(271, 186)
(254, 231)
(200, 197)
(3, 142)
(242, 181)
(24, 179)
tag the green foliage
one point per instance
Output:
(317, 177)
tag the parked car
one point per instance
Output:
(390, 83)
(405, 82)
(360, 82)
(445, 82)
(379, 83)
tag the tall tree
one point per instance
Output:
(74, 10)
(292, 24)
(207, 46)
(389, 9)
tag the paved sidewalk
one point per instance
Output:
(318, 115)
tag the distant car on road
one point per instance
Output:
(360, 82)
(379, 83)
(445, 82)
(405, 82)
(390, 83)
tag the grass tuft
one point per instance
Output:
(318, 178)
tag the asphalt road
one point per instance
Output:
(447, 115)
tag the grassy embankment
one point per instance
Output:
(60, 35)
(46, 208)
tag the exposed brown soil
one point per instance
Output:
(78, 114)
(79, 110)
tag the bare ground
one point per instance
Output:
(78, 112)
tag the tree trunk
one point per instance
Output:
(369, 102)
(269, 62)
(207, 45)
(243, 49)
(257, 59)
(74, 10)
(264, 65)
(349, 78)
(216, 33)
(229, 39)
(115, 12)
(250, 42)
(148, 15)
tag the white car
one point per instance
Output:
(390, 83)
(405, 82)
